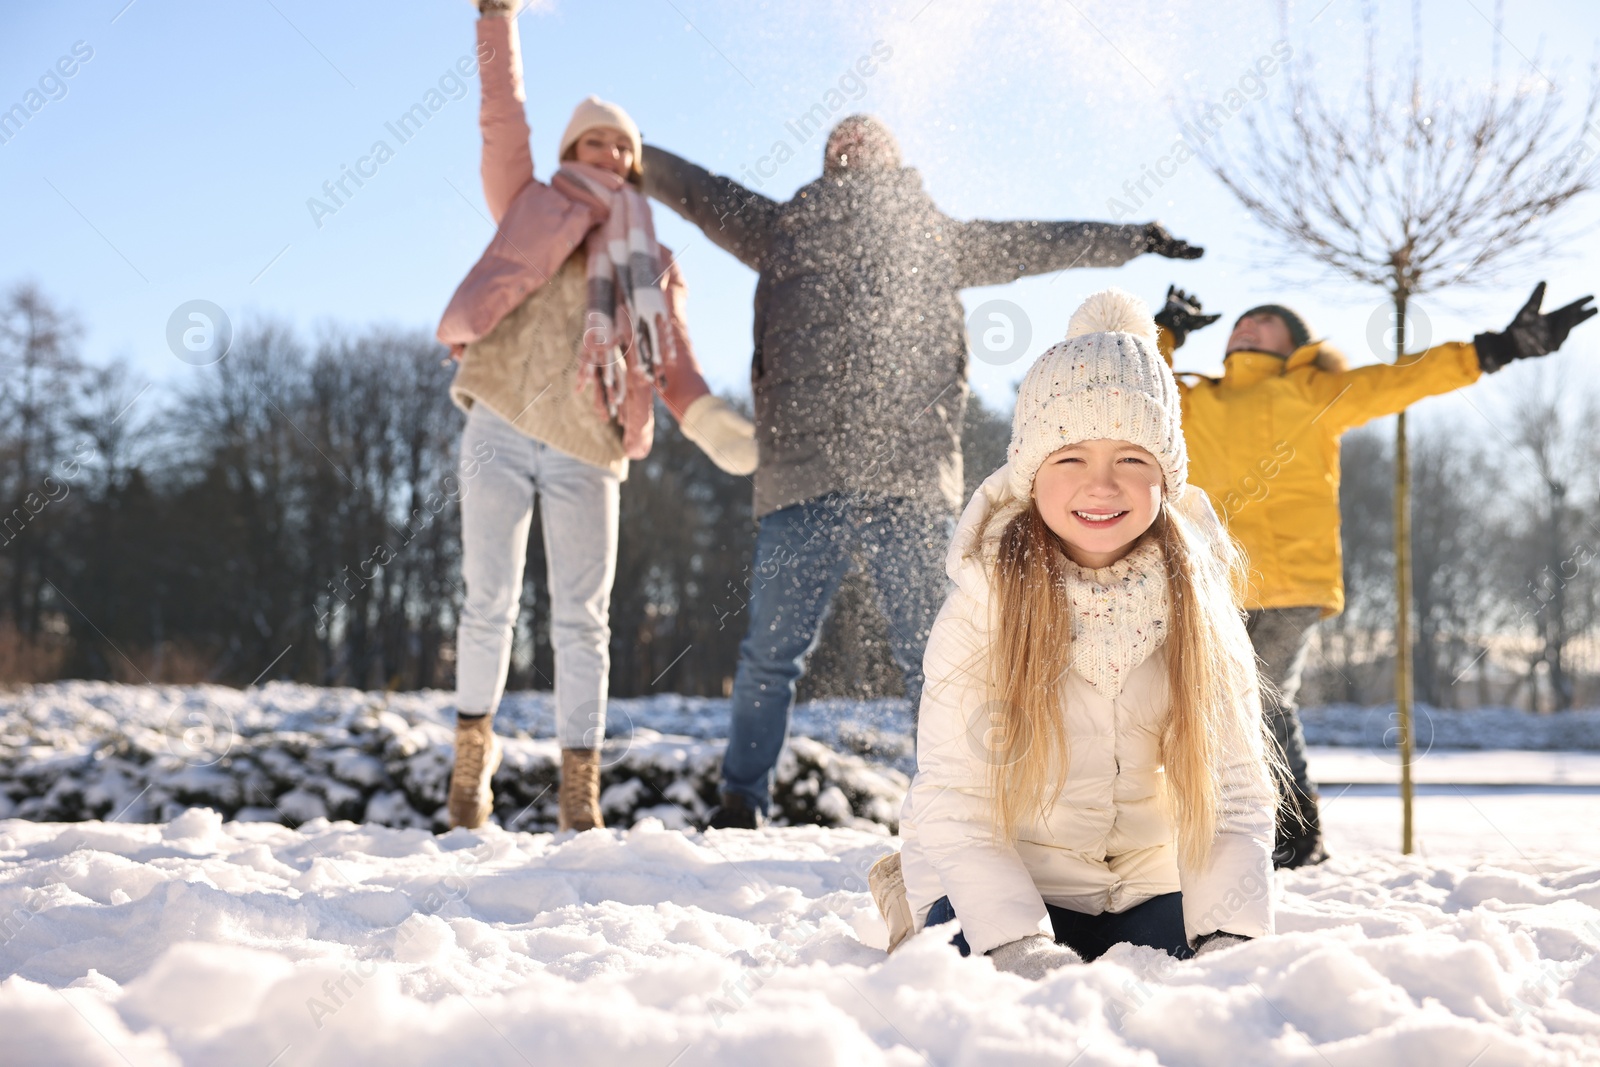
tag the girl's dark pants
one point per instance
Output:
(1158, 923)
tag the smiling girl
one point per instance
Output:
(1090, 765)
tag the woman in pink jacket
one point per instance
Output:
(566, 330)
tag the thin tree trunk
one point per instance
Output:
(1402, 578)
(1556, 645)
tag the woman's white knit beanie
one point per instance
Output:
(593, 111)
(1106, 380)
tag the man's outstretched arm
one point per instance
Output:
(993, 253)
(737, 220)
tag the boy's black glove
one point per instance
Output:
(1182, 315)
(1162, 243)
(1531, 333)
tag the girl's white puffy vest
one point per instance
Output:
(1107, 844)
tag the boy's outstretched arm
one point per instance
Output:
(1365, 393)
(734, 218)
(993, 253)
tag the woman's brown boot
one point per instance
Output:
(580, 789)
(477, 757)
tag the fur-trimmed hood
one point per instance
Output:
(1319, 354)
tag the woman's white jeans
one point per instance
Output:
(578, 505)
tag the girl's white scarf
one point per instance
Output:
(1120, 614)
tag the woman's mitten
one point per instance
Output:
(1033, 956)
(722, 434)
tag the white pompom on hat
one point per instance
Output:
(1106, 380)
(592, 112)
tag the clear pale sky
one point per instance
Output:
(177, 161)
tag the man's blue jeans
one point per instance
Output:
(802, 553)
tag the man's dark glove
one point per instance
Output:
(1531, 333)
(1163, 243)
(1182, 315)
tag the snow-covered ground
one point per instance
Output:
(1479, 767)
(1501, 806)
(198, 940)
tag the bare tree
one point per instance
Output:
(1355, 649)
(40, 374)
(1410, 188)
(1585, 594)
(1455, 486)
(1555, 543)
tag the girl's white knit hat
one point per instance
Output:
(1106, 380)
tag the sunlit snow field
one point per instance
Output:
(203, 941)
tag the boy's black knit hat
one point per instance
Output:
(1299, 332)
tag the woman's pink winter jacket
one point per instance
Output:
(536, 226)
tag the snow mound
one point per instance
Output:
(204, 942)
(294, 754)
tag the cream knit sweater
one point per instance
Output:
(526, 369)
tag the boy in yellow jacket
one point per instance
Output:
(1264, 444)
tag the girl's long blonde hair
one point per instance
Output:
(1211, 675)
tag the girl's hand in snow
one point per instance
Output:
(1215, 942)
(1032, 957)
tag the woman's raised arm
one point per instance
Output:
(507, 160)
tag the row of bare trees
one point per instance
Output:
(223, 529)
(1506, 540)
(291, 512)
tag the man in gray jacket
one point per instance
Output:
(860, 383)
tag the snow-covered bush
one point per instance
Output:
(291, 754)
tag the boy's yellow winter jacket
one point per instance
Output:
(1264, 443)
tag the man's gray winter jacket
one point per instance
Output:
(860, 365)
